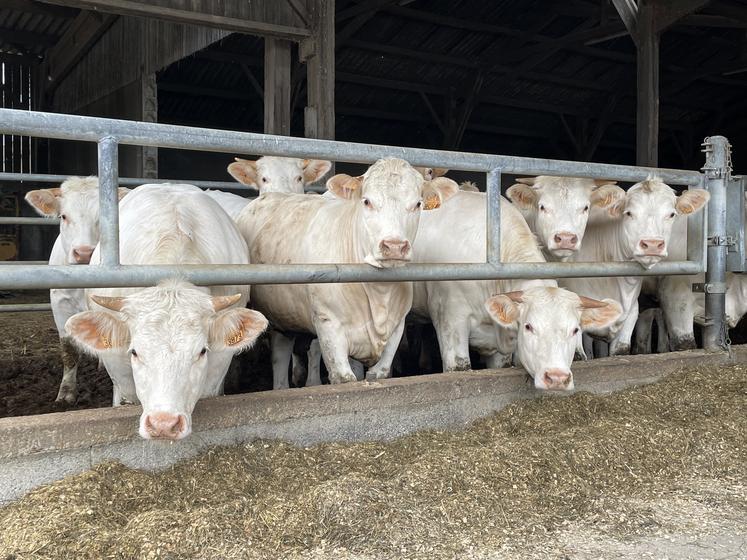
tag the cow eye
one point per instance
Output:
(63, 217)
(366, 203)
(528, 327)
(299, 179)
(575, 331)
(672, 215)
(542, 207)
(203, 351)
(419, 204)
(134, 354)
(264, 179)
(629, 214)
(586, 208)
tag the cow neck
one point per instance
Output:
(605, 242)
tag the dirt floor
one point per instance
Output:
(652, 472)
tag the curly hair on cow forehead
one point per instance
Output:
(390, 168)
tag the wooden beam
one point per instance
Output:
(32, 7)
(605, 118)
(300, 10)
(277, 90)
(668, 12)
(647, 107)
(189, 17)
(24, 59)
(433, 112)
(319, 54)
(455, 135)
(707, 20)
(26, 38)
(256, 86)
(628, 10)
(83, 33)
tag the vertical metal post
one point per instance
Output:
(109, 200)
(494, 216)
(717, 170)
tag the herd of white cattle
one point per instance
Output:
(167, 346)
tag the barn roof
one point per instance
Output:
(549, 78)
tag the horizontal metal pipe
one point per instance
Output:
(26, 263)
(92, 129)
(137, 181)
(23, 221)
(24, 307)
(43, 277)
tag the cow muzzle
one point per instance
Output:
(652, 247)
(556, 379)
(395, 249)
(565, 240)
(82, 254)
(164, 425)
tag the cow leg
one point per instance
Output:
(383, 368)
(643, 329)
(334, 347)
(497, 361)
(620, 345)
(453, 339)
(587, 346)
(314, 376)
(678, 307)
(282, 348)
(662, 339)
(601, 348)
(358, 368)
(69, 385)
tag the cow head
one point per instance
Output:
(549, 322)
(647, 212)
(389, 198)
(76, 204)
(279, 174)
(171, 335)
(558, 208)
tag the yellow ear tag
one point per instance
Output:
(106, 342)
(432, 202)
(234, 339)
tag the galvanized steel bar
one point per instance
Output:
(697, 224)
(23, 221)
(75, 127)
(124, 181)
(493, 229)
(27, 263)
(25, 307)
(717, 170)
(109, 200)
(43, 277)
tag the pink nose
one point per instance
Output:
(557, 379)
(565, 240)
(82, 254)
(394, 248)
(653, 246)
(164, 425)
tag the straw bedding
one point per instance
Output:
(523, 474)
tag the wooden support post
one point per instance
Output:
(319, 54)
(277, 90)
(149, 110)
(647, 113)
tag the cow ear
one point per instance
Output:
(244, 171)
(503, 310)
(345, 186)
(523, 196)
(439, 172)
(236, 329)
(45, 201)
(605, 195)
(98, 331)
(438, 191)
(600, 317)
(692, 200)
(123, 192)
(315, 169)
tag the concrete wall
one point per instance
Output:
(39, 449)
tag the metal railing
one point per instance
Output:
(110, 133)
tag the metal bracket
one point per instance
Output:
(712, 288)
(720, 241)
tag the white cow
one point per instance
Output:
(638, 229)
(231, 203)
(76, 204)
(680, 306)
(540, 321)
(279, 174)
(557, 209)
(167, 346)
(374, 220)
